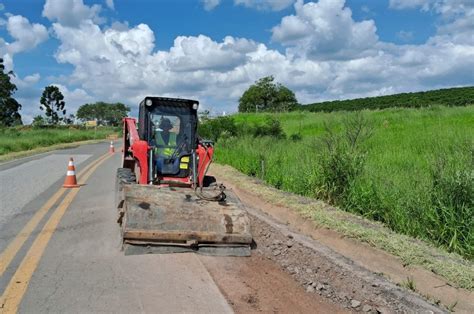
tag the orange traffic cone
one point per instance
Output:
(71, 181)
(111, 148)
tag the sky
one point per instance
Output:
(213, 50)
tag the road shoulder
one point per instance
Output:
(290, 209)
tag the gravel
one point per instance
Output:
(319, 274)
(355, 303)
(366, 308)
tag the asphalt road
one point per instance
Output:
(60, 248)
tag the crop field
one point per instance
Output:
(23, 138)
(451, 97)
(411, 169)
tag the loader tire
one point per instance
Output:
(124, 176)
(209, 181)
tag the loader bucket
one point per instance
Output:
(158, 219)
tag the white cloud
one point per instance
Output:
(325, 30)
(409, 4)
(202, 53)
(121, 62)
(71, 12)
(275, 5)
(74, 98)
(110, 4)
(444, 7)
(405, 35)
(210, 4)
(329, 55)
(26, 35)
(28, 80)
(456, 15)
(106, 53)
(458, 19)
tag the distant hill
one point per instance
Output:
(462, 96)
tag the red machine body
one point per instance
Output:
(166, 202)
(136, 154)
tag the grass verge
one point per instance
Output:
(25, 138)
(412, 169)
(40, 150)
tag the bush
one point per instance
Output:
(213, 129)
(342, 159)
(225, 127)
(271, 127)
(452, 222)
(295, 137)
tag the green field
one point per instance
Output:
(24, 138)
(414, 172)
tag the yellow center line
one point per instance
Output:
(12, 249)
(17, 286)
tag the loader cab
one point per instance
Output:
(169, 125)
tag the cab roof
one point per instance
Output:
(170, 101)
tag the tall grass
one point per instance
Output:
(414, 169)
(16, 139)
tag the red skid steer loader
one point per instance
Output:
(166, 202)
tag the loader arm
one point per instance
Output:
(135, 151)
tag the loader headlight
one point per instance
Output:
(149, 102)
(195, 106)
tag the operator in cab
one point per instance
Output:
(165, 140)
(166, 144)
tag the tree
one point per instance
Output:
(38, 120)
(265, 95)
(102, 112)
(52, 101)
(9, 107)
(286, 100)
(204, 115)
(70, 119)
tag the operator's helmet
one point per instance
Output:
(165, 124)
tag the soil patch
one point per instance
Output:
(257, 285)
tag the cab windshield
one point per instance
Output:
(172, 130)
